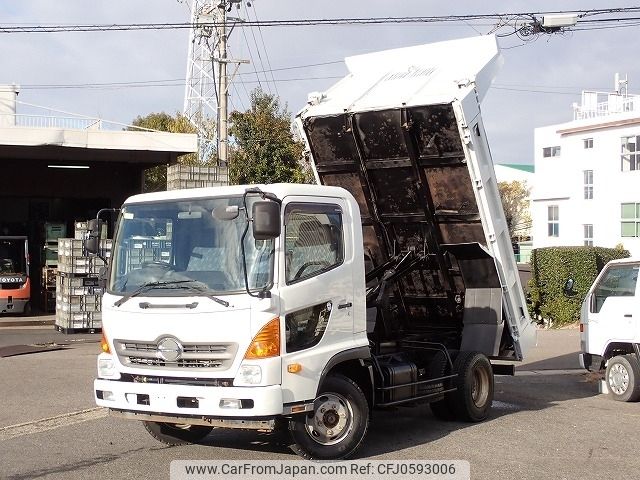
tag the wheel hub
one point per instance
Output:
(332, 419)
(618, 379)
(480, 388)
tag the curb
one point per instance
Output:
(27, 323)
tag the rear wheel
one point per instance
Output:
(27, 309)
(177, 434)
(474, 395)
(338, 423)
(622, 376)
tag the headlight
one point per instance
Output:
(248, 375)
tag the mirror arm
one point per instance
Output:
(100, 212)
(263, 195)
(262, 293)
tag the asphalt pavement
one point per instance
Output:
(548, 421)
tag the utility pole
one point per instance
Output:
(223, 91)
(208, 80)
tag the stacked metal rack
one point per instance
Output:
(78, 291)
(49, 262)
(189, 176)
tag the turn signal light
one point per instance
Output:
(266, 343)
(294, 368)
(104, 345)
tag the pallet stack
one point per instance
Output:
(189, 176)
(78, 294)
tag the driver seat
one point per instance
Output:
(313, 244)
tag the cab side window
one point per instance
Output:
(618, 281)
(313, 240)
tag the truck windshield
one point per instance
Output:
(12, 256)
(185, 240)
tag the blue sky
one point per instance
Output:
(561, 64)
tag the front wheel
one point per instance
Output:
(623, 377)
(177, 434)
(338, 423)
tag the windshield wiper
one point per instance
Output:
(175, 283)
(203, 290)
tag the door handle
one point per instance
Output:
(627, 315)
(345, 305)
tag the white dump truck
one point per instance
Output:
(391, 282)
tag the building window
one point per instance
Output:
(553, 217)
(551, 152)
(588, 235)
(630, 213)
(630, 154)
(588, 184)
(588, 142)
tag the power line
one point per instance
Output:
(524, 90)
(171, 83)
(264, 47)
(583, 14)
(257, 49)
(253, 63)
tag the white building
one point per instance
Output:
(586, 189)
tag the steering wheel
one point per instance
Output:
(304, 266)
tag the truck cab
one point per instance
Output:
(610, 328)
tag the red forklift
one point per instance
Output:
(15, 286)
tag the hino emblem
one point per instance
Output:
(169, 349)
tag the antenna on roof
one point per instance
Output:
(621, 87)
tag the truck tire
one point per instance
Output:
(174, 434)
(474, 395)
(338, 424)
(622, 376)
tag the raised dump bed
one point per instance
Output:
(403, 133)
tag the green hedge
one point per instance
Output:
(551, 267)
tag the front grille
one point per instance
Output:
(200, 356)
(156, 362)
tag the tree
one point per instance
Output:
(263, 148)
(155, 178)
(515, 203)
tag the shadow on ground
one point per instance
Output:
(396, 429)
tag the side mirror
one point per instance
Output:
(92, 244)
(266, 220)
(568, 287)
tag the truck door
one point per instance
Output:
(316, 290)
(612, 307)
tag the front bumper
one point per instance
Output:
(182, 400)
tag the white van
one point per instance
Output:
(610, 330)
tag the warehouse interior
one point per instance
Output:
(60, 176)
